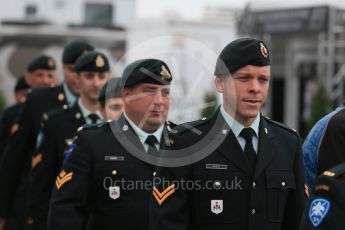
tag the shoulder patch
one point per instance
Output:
(318, 210)
(281, 125)
(69, 151)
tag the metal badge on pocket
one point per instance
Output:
(217, 206)
(114, 192)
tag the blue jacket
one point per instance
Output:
(312, 144)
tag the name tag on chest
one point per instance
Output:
(114, 158)
(216, 166)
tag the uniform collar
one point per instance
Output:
(142, 135)
(237, 127)
(70, 97)
(87, 112)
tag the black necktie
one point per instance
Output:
(247, 134)
(94, 118)
(151, 141)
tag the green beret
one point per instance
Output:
(111, 89)
(93, 61)
(41, 62)
(74, 49)
(147, 71)
(242, 52)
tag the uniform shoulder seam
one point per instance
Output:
(281, 125)
(190, 125)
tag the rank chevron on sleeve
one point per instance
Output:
(63, 178)
(162, 196)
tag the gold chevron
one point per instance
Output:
(35, 160)
(162, 196)
(63, 178)
(15, 127)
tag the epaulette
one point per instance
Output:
(190, 125)
(281, 125)
(40, 90)
(90, 126)
(54, 112)
(171, 124)
(335, 172)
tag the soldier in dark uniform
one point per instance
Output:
(40, 73)
(102, 181)
(110, 99)
(21, 89)
(17, 155)
(58, 131)
(252, 174)
(8, 119)
(326, 210)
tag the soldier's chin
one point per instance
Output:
(156, 121)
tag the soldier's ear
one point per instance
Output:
(219, 82)
(126, 95)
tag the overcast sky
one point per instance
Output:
(192, 9)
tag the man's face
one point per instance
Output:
(41, 78)
(245, 92)
(90, 84)
(71, 78)
(113, 108)
(147, 105)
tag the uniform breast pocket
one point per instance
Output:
(279, 186)
(115, 186)
(216, 200)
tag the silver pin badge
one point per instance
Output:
(78, 115)
(224, 131)
(125, 128)
(266, 131)
(217, 184)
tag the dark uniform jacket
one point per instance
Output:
(326, 210)
(101, 183)
(224, 193)
(56, 135)
(16, 160)
(9, 124)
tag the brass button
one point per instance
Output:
(114, 172)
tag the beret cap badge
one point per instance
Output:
(165, 73)
(263, 49)
(50, 63)
(99, 61)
